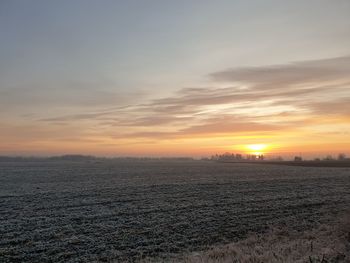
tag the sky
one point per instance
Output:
(174, 78)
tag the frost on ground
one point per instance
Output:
(325, 243)
(61, 211)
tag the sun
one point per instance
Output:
(257, 149)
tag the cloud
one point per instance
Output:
(334, 107)
(255, 100)
(226, 125)
(61, 97)
(283, 76)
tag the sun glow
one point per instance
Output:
(257, 149)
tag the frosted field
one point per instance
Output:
(103, 211)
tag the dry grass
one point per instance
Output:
(325, 243)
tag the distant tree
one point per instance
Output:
(276, 158)
(251, 157)
(239, 156)
(341, 157)
(328, 158)
(261, 157)
(298, 159)
(279, 158)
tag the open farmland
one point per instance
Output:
(60, 211)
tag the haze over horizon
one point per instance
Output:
(174, 78)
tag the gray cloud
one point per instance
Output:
(282, 76)
(44, 97)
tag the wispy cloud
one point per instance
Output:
(285, 76)
(256, 99)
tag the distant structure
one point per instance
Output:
(298, 159)
(255, 157)
(232, 157)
